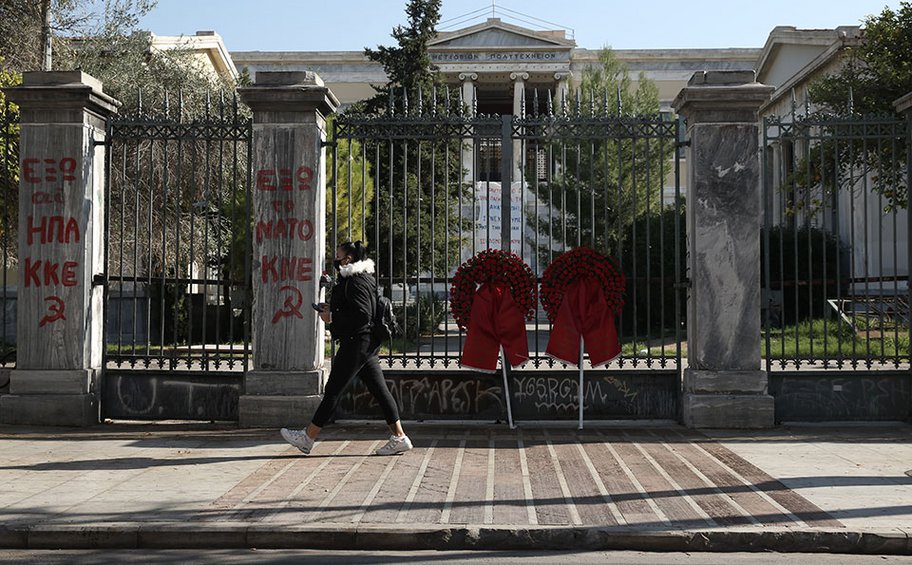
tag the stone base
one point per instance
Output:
(41, 381)
(725, 382)
(276, 411)
(735, 411)
(283, 383)
(49, 410)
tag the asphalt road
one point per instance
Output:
(189, 556)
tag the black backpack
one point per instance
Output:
(384, 326)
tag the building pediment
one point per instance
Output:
(497, 34)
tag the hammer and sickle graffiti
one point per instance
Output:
(292, 305)
(55, 311)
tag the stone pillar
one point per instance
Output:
(562, 90)
(724, 385)
(61, 225)
(468, 145)
(289, 242)
(519, 94)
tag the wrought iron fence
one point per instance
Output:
(9, 222)
(177, 238)
(836, 287)
(430, 183)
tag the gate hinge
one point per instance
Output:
(685, 283)
(683, 143)
(99, 280)
(328, 143)
(106, 142)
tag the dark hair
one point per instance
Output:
(357, 250)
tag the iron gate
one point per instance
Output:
(177, 261)
(425, 184)
(836, 265)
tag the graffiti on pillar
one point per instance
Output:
(56, 310)
(284, 223)
(45, 180)
(292, 305)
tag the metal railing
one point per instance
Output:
(177, 238)
(9, 223)
(426, 183)
(836, 242)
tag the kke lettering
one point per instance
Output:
(46, 273)
(275, 269)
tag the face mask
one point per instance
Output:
(337, 263)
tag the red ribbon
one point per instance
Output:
(584, 314)
(495, 321)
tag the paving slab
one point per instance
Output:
(464, 486)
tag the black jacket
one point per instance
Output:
(353, 300)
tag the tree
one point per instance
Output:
(407, 65)
(415, 231)
(354, 191)
(876, 71)
(24, 35)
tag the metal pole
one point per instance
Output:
(581, 395)
(505, 370)
(506, 181)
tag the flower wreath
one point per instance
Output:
(492, 265)
(580, 263)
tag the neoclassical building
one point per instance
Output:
(497, 61)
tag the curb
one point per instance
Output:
(147, 535)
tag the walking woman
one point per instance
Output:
(349, 315)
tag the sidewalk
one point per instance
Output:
(835, 489)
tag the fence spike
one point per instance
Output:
(420, 101)
(405, 105)
(535, 102)
(620, 108)
(434, 101)
(550, 105)
(391, 94)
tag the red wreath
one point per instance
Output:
(576, 264)
(492, 295)
(581, 292)
(492, 266)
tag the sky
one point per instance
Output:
(351, 25)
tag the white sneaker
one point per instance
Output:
(299, 439)
(395, 445)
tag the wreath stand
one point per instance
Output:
(508, 398)
(581, 392)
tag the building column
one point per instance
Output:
(519, 109)
(289, 242)
(468, 145)
(61, 234)
(562, 90)
(724, 386)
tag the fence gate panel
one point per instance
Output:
(836, 266)
(177, 263)
(429, 184)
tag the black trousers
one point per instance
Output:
(356, 356)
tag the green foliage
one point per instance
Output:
(350, 187)
(876, 71)
(648, 259)
(601, 186)
(421, 317)
(806, 266)
(415, 231)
